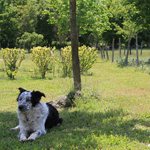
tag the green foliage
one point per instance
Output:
(143, 17)
(121, 63)
(31, 38)
(26, 17)
(66, 60)
(42, 57)
(88, 57)
(91, 16)
(125, 11)
(71, 97)
(11, 57)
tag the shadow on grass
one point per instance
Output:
(108, 123)
(80, 128)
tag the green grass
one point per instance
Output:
(119, 119)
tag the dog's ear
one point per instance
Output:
(36, 97)
(21, 90)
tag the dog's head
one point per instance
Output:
(27, 100)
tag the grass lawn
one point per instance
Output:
(118, 120)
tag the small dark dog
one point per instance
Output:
(34, 117)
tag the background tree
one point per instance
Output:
(143, 16)
(31, 39)
(128, 28)
(91, 16)
(8, 27)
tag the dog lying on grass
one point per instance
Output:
(34, 117)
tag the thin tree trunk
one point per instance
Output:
(137, 50)
(106, 51)
(20, 45)
(24, 45)
(141, 48)
(74, 45)
(8, 44)
(120, 47)
(129, 39)
(113, 50)
(101, 51)
(0, 38)
(124, 49)
(130, 49)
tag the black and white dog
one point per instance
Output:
(34, 117)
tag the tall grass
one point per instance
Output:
(113, 113)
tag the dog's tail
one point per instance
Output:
(60, 120)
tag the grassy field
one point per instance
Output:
(113, 114)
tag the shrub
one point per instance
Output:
(11, 57)
(42, 57)
(88, 57)
(66, 60)
(121, 63)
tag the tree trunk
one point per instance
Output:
(124, 49)
(137, 50)
(113, 50)
(129, 39)
(8, 44)
(141, 48)
(74, 45)
(106, 51)
(130, 49)
(120, 47)
(101, 51)
(20, 46)
(24, 45)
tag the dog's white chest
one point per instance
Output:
(33, 119)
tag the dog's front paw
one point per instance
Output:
(23, 139)
(31, 139)
(12, 129)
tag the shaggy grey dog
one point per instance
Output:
(34, 117)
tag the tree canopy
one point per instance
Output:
(97, 20)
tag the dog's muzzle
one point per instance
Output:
(22, 108)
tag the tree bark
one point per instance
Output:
(74, 45)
